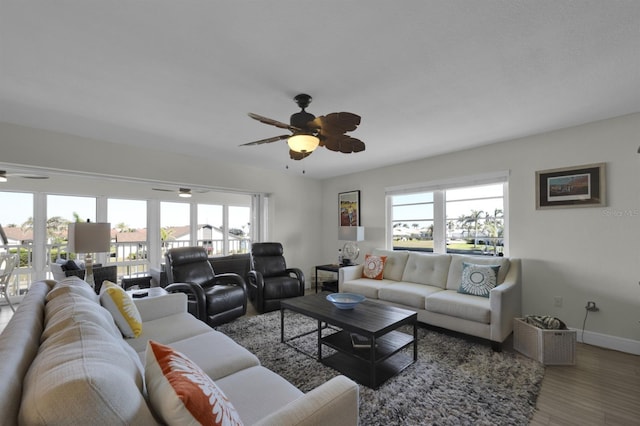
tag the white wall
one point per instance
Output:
(578, 254)
(294, 199)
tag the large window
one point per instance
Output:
(61, 210)
(211, 229)
(174, 225)
(239, 229)
(475, 219)
(466, 216)
(128, 219)
(34, 227)
(412, 221)
(16, 237)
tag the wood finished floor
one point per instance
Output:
(603, 388)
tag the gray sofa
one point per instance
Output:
(428, 284)
(64, 361)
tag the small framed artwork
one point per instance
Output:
(349, 207)
(580, 186)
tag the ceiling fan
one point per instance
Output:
(182, 192)
(4, 175)
(309, 131)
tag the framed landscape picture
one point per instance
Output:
(579, 186)
(349, 207)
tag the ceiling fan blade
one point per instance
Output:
(272, 122)
(267, 140)
(342, 143)
(294, 155)
(336, 123)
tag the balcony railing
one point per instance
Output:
(130, 257)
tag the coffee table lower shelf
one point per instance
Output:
(388, 360)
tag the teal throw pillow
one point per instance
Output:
(478, 280)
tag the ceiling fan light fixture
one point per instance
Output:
(303, 143)
(184, 193)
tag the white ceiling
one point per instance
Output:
(427, 77)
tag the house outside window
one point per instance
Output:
(466, 215)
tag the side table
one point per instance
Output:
(332, 267)
(147, 292)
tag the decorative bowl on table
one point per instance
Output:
(345, 300)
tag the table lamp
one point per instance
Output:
(350, 250)
(88, 238)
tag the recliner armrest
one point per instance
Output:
(197, 294)
(229, 278)
(299, 276)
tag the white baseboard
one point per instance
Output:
(609, 342)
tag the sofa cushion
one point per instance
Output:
(373, 266)
(222, 357)
(181, 393)
(409, 294)
(455, 269)
(75, 285)
(364, 286)
(83, 375)
(478, 280)
(395, 263)
(267, 392)
(452, 303)
(168, 329)
(427, 268)
(69, 307)
(121, 306)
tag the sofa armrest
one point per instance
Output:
(334, 403)
(505, 302)
(152, 308)
(348, 273)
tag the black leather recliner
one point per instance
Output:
(270, 280)
(214, 299)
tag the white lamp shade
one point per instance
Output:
(88, 237)
(303, 143)
(351, 233)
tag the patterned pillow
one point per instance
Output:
(478, 280)
(121, 306)
(373, 266)
(182, 393)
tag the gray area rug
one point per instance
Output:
(456, 381)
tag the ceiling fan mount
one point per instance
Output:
(308, 131)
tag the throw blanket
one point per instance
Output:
(546, 322)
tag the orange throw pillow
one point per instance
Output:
(182, 393)
(373, 267)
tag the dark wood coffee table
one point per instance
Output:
(378, 322)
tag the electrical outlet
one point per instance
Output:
(557, 301)
(591, 307)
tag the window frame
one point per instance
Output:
(439, 188)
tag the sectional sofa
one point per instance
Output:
(430, 283)
(64, 360)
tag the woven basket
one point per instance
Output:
(550, 347)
